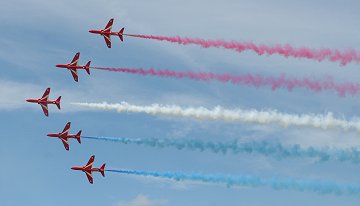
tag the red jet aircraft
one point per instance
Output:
(106, 33)
(88, 169)
(73, 67)
(43, 101)
(65, 136)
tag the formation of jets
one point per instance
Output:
(106, 33)
(44, 101)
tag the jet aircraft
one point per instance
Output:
(73, 66)
(44, 101)
(64, 136)
(107, 33)
(88, 169)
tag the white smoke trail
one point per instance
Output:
(236, 115)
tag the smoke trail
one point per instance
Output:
(236, 115)
(322, 187)
(334, 55)
(249, 79)
(264, 148)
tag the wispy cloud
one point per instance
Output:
(13, 94)
(143, 200)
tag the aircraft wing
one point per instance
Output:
(109, 25)
(45, 96)
(74, 74)
(90, 162)
(75, 59)
(107, 40)
(89, 176)
(44, 107)
(66, 144)
(66, 129)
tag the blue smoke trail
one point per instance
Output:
(322, 187)
(275, 150)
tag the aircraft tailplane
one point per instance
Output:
(57, 102)
(87, 67)
(102, 170)
(77, 136)
(121, 33)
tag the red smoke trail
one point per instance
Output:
(334, 55)
(248, 79)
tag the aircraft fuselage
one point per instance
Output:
(58, 135)
(101, 32)
(86, 169)
(39, 101)
(66, 66)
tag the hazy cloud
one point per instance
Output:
(143, 200)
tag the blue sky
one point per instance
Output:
(38, 34)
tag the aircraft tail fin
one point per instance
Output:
(121, 33)
(102, 170)
(57, 102)
(87, 67)
(77, 136)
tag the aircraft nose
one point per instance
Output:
(57, 65)
(28, 100)
(91, 31)
(73, 168)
